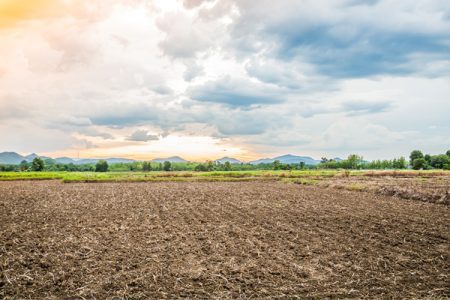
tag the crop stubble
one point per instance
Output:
(218, 240)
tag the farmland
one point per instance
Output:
(428, 186)
(164, 176)
(259, 235)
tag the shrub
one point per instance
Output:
(416, 154)
(438, 161)
(101, 166)
(167, 166)
(419, 163)
(37, 164)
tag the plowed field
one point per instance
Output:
(218, 240)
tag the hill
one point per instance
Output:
(287, 159)
(225, 159)
(11, 158)
(172, 159)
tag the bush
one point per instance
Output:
(416, 154)
(200, 168)
(101, 166)
(37, 164)
(146, 166)
(167, 166)
(439, 161)
(419, 163)
(24, 165)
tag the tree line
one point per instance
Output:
(417, 161)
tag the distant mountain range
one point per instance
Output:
(172, 159)
(13, 158)
(228, 159)
(287, 159)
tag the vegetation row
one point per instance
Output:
(417, 161)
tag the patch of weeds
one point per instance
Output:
(303, 181)
(422, 179)
(355, 187)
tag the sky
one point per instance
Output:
(205, 79)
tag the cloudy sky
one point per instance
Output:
(213, 78)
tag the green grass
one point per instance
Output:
(163, 176)
(4, 176)
(296, 176)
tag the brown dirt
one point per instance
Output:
(435, 189)
(218, 240)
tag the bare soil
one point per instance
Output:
(218, 240)
(435, 189)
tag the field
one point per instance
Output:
(428, 186)
(331, 235)
(163, 176)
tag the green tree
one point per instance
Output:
(101, 166)
(167, 166)
(448, 153)
(401, 163)
(227, 166)
(37, 164)
(419, 163)
(276, 165)
(415, 155)
(200, 168)
(354, 161)
(209, 166)
(439, 161)
(24, 165)
(147, 166)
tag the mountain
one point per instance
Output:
(294, 159)
(84, 161)
(287, 159)
(64, 160)
(172, 159)
(13, 158)
(115, 160)
(112, 160)
(30, 157)
(225, 159)
(262, 161)
(10, 158)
